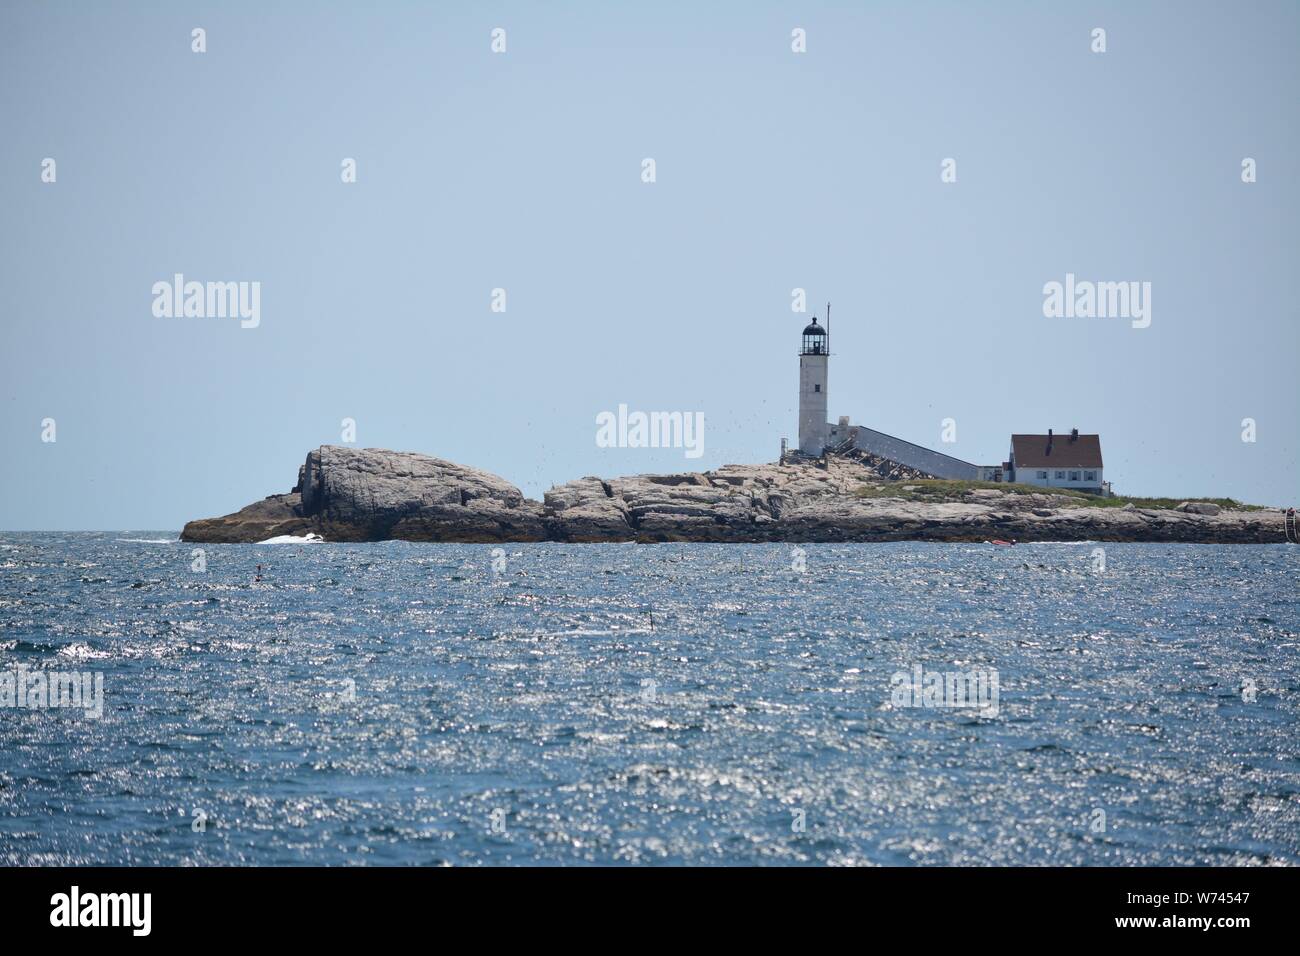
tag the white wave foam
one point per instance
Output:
(310, 538)
(82, 652)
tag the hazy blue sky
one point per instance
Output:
(522, 170)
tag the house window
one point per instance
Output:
(1090, 475)
(817, 388)
(1060, 474)
(1074, 476)
(1042, 475)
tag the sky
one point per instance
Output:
(523, 170)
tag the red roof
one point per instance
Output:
(1034, 451)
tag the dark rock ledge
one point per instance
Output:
(350, 494)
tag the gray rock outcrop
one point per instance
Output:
(806, 502)
(351, 494)
(347, 494)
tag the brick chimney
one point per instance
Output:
(1074, 434)
(1049, 441)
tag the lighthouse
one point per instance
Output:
(813, 354)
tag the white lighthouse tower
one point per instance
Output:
(812, 386)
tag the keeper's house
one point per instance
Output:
(1057, 461)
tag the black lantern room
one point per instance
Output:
(815, 341)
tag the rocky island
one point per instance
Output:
(350, 494)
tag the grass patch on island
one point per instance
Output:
(1227, 504)
(944, 489)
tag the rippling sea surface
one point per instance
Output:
(663, 704)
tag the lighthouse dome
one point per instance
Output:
(815, 340)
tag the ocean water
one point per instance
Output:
(664, 704)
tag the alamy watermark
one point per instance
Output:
(46, 690)
(651, 430)
(75, 908)
(179, 299)
(1084, 299)
(957, 690)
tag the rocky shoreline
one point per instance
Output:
(348, 494)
